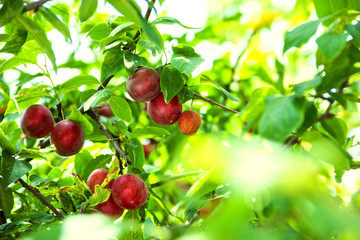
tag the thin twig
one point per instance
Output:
(102, 127)
(242, 53)
(34, 6)
(215, 103)
(147, 15)
(175, 177)
(37, 194)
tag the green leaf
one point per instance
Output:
(131, 61)
(300, 35)
(194, 206)
(185, 95)
(203, 185)
(29, 78)
(113, 62)
(206, 79)
(85, 164)
(324, 149)
(28, 54)
(354, 31)
(137, 157)
(122, 28)
(99, 97)
(9, 127)
(331, 44)
(101, 195)
(4, 86)
(99, 32)
(336, 128)
(300, 88)
(153, 48)
(171, 82)
(39, 35)
(256, 105)
(80, 118)
(131, 10)
(10, 10)
(13, 169)
(281, 117)
(74, 83)
(185, 59)
(149, 132)
(6, 198)
(328, 7)
(87, 9)
(55, 22)
(121, 108)
(170, 21)
(131, 227)
(5, 144)
(17, 37)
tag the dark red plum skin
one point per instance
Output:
(105, 111)
(129, 192)
(68, 137)
(97, 177)
(110, 208)
(37, 121)
(144, 85)
(162, 113)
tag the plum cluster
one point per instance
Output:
(144, 86)
(67, 136)
(127, 192)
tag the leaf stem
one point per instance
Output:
(175, 177)
(215, 103)
(37, 194)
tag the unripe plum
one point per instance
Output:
(209, 207)
(110, 208)
(97, 177)
(144, 85)
(129, 191)
(162, 113)
(68, 137)
(105, 111)
(189, 122)
(37, 121)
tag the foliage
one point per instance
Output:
(276, 160)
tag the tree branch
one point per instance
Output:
(34, 6)
(37, 194)
(215, 103)
(102, 127)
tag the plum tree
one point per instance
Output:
(189, 122)
(110, 208)
(97, 177)
(68, 137)
(105, 111)
(129, 191)
(209, 207)
(144, 85)
(37, 121)
(162, 113)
